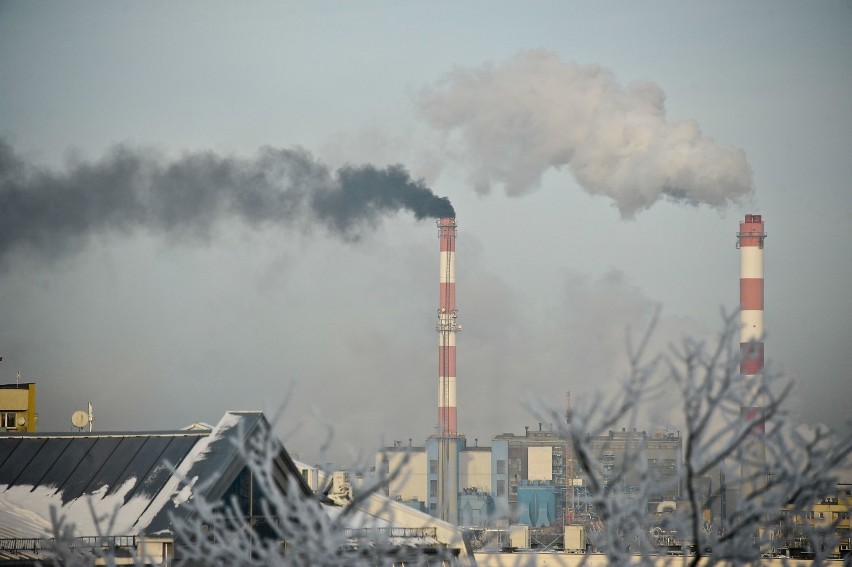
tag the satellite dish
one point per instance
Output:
(79, 419)
(22, 421)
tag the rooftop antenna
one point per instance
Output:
(80, 418)
(568, 413)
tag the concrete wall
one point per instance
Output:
(540, 463)
(475, 470)
(411, 483)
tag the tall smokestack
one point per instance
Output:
(750, 242)
(448, 439)
(447, 328)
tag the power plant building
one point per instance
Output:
(531, 478)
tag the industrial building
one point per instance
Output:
(18, 408)
(530, 478)
(833, 509)
(662, 451)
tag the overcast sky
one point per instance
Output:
(179, 238)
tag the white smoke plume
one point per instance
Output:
(535, 112)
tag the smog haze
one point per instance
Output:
(224, 206)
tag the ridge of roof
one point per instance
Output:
(119, 473)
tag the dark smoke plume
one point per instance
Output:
(131, 188)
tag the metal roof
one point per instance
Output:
(132, 478)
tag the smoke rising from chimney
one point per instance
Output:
(131, 188)
(537, 112)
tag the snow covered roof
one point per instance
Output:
(376, 515)
(94, 478)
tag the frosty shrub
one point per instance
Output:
(759, 508)
(291, 529)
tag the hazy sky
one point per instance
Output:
(178, 237)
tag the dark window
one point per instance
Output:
(501, 466)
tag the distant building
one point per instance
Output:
(532, 478)
(536, 464)
(662, 451)
(412, 474)
(18, 408)
(831, 511)
(410, 481)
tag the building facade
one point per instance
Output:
(18, 408)
(531, 478)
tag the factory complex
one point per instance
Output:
(528, 490)
(532, 479)
(529, 479)
(521, 491)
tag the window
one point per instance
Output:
(433, 486)
(433, 466)
(501, 488)
(501, 466)
(9, 420)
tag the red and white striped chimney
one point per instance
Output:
(750, 242)
(447, 328)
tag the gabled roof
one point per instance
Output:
(123, 476)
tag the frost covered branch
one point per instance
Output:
(770, 471)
